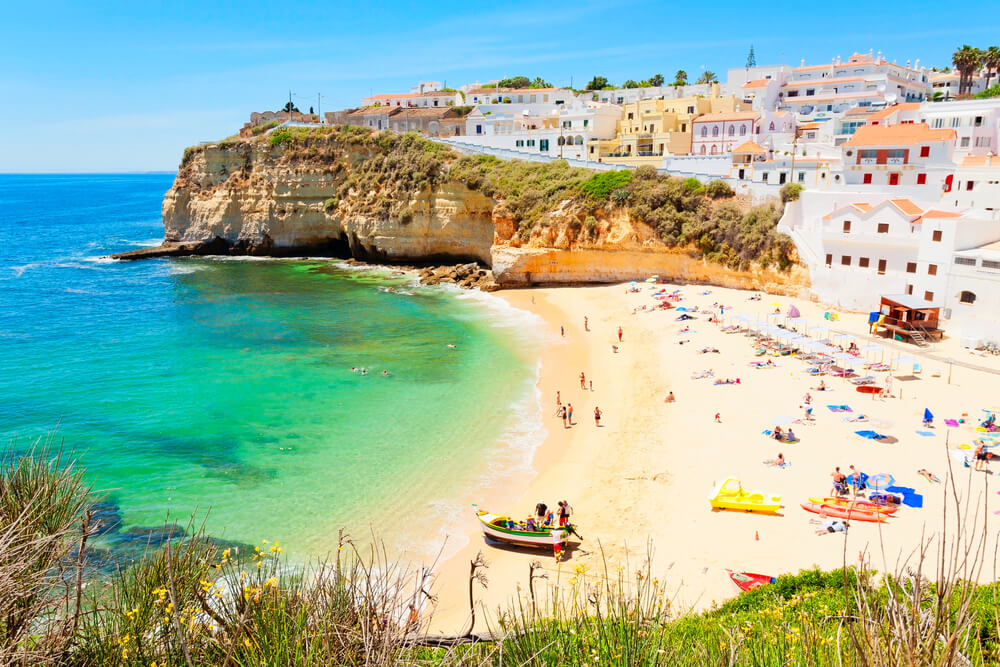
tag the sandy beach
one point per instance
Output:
(640, 482)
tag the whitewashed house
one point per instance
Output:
(975, 122)
(717, 133)
(911, 158)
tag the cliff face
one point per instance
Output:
(254, 200)
(377, 197)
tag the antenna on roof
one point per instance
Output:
(751, 60)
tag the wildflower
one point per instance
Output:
(273, 582)
(263, 541)
(246, 642)
(205, 585)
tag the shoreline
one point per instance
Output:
(641, 481)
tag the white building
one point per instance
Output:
(431, 98)
(519, 96)
(976, 123)
(716, 133)
(976, 184)
(562, 130)
(622, 96)
(947, 83)
(861, 80)
(910, 157)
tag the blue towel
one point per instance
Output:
(910, 497)
(926, 434)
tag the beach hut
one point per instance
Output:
(910, 318)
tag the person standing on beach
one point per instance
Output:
(562, 413)
(562, 331)
(583, 380)
(597, 416)
(558, 399)
(569, 413)
(586, 323)
(619, 333)
(591, 385)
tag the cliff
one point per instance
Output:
(381, 197)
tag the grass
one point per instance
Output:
(190, 601)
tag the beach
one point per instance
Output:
(640, 483)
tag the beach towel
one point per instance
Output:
(839, 408)
(926, 434)
(871, 435)
(951, 422)
(855, 418)
(910, 496)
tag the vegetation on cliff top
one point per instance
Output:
(189, 600)
(388, 169)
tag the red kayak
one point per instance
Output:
(847, 513)
(846, 503)
(869, 389)
(747, 581)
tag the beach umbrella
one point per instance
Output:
(874, 347)
(845, 358)
(651, 280)
(793, 312)
(842, 336)
(928, 416)
(821, 330)
(881, 481)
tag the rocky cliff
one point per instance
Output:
(351, 193)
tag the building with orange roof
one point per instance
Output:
(420, 98)
(718, 133)
(910, 155)
(976, 122)
(861, 80)
(976, 184)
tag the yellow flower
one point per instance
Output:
(273, 582)
(246, 642)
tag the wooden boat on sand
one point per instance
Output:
(507, 530)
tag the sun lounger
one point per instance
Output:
(868, 379)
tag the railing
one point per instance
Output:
(895, 161)
(868, 160)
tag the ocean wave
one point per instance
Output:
(148, 243)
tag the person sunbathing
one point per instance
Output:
(821, 387)
(827, 526)
(779, 462)
(928, 475)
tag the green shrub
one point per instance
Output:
(790, 192)
(590, 224)
(600, 186)
(692, 184)
(330, 203)
(278, 138)
(717, 189)
(619, 196)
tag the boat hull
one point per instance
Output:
(522, 538)
(846, 513)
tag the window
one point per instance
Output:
(531, 142)
(764, 177)
(479, 129)
(829, 259)
(702, 150)
(965, 261)
(704, 131)
(845, 260)
(715, 131)
(978, 122)
(921, 179)
(586, 121)
(925, 151)
(802, 176)
(690, 109)
(881, 267)
(714, 150)
(810, 91)
(883, 228)
(983, 142)
(965, 142)
(967, 297)
(909, 289)
(936, 236)
(867, 178)
(969, 185)
(543, 144)
(743, 130)
(732, 130)
(630, 115)
(519, 143)
(991, 264)
(847, 226)
(932, 269)
(911, 267)
(894, 178)
(928, 296)
(955, 122)
(938, 123)
(863, 262)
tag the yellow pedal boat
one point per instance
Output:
(730, 495)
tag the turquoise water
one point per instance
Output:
(223, 388)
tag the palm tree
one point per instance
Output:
(966, 60)
(681, 78)
(707, 76)
(991, 61)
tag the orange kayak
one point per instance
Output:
(855, 504)
(847, 513)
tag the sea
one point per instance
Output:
(217, 393)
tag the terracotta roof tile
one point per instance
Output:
(749, 147)
(907, 206)
(722, 116)
(981, 161)
(756, 83)
(898, 135)
(888, 111)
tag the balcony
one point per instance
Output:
(895, 161)
(868, 161)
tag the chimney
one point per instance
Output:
(803, 63)
(907, 63)
(838, 58)
(916, 65)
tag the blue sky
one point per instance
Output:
(125, 86)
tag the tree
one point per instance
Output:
(539, 82)
(630, 84)
(681, 78)
(514, 82)
(707, 76)
(597, 83)
(290, 107)
(991, 61)
(311, 112)
(656, 80)
(966, 60)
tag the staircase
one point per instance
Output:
(918, 338)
